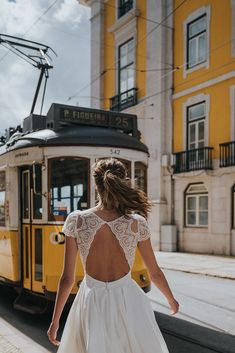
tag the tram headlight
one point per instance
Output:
(57, 238)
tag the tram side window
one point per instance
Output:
(2, 198)
(141, 176)
(68, 183)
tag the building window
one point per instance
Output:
(196, 116)
(2, 198)
(126, 66)
(127, 93)
(196, 206)
(141, 176)
(196, 42)
(124, 6)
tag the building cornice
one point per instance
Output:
(205, 84)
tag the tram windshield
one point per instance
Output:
(68, 185)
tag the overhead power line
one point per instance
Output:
(33, 24)
(136, 44)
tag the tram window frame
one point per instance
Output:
(145, 176)
(37, 193)
(52, 217)
(2, 199)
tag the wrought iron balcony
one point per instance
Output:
(124, 7)
(227, 154)
(195, 159)
(124, 100)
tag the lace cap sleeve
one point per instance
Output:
(144, 231)
(70, 225)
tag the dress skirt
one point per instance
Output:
(111, 317)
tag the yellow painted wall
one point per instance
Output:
(219, 116)
(220, 62)
(220, 46)
(109, 78)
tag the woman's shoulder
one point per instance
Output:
(138, 217)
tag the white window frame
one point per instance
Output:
(126, 14)
(126, 66)
(196, 123)
(197, 209)
(205, 10)
(121, 37)
(193, 101)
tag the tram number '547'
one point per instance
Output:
(114, 151)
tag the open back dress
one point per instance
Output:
(109, 316)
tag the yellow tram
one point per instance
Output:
(45, 173)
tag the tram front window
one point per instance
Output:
(68, 183)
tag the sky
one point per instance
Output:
(65, 27)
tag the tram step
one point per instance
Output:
(30, 303)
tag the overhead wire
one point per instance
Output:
(177, 68)
(32, 25)
(135, 46)
(92, 40)
(137, 15)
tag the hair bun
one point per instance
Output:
(106, 173)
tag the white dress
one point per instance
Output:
(110, 317)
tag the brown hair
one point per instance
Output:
(114, 188)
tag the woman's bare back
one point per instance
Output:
(106, 241)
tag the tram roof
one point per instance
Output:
(74, 135)
(66, 125)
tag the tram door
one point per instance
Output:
(32, 230)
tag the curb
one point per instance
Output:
(14, 341)
(197, 272)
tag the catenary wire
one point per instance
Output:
(32, 25)
(177, 68)
(140, 16)
(136, 44)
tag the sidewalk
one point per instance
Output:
(204, 287)
(14, 341)
(211, 265)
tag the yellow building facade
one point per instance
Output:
(172, 64)
(204, 125)
(131, 57)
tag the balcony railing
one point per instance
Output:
(125, 7)
(227, 154)
(196, 159)
(124, 100)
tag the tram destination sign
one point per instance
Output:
(66, 115)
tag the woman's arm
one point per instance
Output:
(64, 287)
(156, 274)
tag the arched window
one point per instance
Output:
(196, 206)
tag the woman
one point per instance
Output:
(110, 313)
